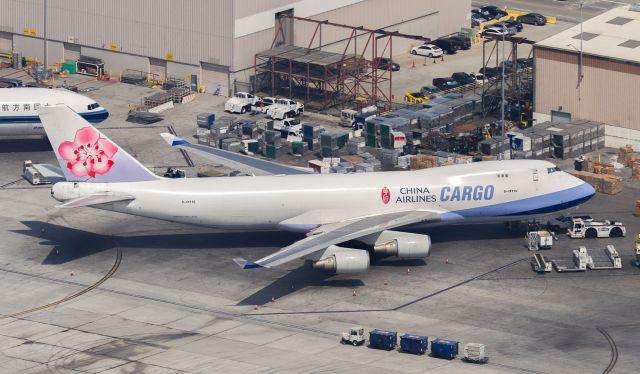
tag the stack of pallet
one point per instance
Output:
(603, 168)
(423, 162)
(608, 184)
(634, 164)
(625, 155)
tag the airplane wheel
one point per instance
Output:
(616, 232)
(591, 233)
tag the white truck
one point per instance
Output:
(596, 229)
(241, 102)
(355, 336)
(285, 108)
(290, 128)
(263, 105)
(355, 118)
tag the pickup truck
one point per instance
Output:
(285, 108)
(263, 104)
(290, 129)
(241, 102)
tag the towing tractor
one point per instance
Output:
(241, 102)
(285, 108)
(596, 229)
(355, 336)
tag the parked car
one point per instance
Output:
(477, 19)
(511, 29)
(479, 78)
(416, 97)
(512, 21)
(493, 12)
(385, 63)
(428, 50)
(430, 91)
(565, 222)
(495, 31)
(464, 43)
(448, 46)
(445, 83)
(525, 62)
(463, 78)
(490, 72)
(535, 19)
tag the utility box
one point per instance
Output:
(415, 344)
(474, 352)
(380, 339)
(444, 348)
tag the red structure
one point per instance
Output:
(326, 79)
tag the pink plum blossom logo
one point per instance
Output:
(88, 154)
(385, 194)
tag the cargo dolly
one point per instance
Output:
(577, 263)
(607, 258)
(541, 264)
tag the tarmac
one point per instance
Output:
(91, 291)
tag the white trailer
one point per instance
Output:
(596, 229)
(540, 239)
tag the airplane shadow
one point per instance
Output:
(9, 145)
(296, 280)
(72, 244)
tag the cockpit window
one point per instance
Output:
(553, 170)
(93, 106)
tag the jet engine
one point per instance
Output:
(342, 260)
(399, 244)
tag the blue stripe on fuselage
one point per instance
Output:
(542, 204)
(92, 117)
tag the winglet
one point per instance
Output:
(173, 140)
(245, 264)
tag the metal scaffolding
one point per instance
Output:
(326, 79)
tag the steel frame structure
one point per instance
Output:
(515, 83)
(331, 78)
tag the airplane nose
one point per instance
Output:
(586, 191)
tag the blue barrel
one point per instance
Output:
(415, 344)
(380, 339)
(444, 348)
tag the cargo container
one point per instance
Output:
(381, 339)
(474, 352)
(444, 348)
(415, 344)
(206, 120)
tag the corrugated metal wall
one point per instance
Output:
(33, 48)
(608, 92)
(407, 15)
(192, 30)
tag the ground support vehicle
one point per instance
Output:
(355, 336)
(285, 108)
(596, 229)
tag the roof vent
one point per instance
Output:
(630, 44)
(619, 21)
(634, 7)
(585, 36)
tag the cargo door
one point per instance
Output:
(6, 47)
(71, 52)
(535, 175)
(215, 79)
(157, 70)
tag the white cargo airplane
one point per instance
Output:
(331, 208)
(19, 105)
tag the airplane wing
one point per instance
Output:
(238, 161)
(95, 199)
(335, 233)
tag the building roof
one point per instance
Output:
(614, 34)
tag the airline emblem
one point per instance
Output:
(386, 195)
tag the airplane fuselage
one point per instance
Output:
(499, 189)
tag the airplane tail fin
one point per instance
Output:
(84, 153)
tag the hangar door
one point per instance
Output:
(157, 70)
(71, 52)
(215, 78)
(6, 42)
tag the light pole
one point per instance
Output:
(45, 35)
(502, 104)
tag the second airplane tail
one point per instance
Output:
(84, 153)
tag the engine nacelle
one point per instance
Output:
(342, 260)
(400, 244)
